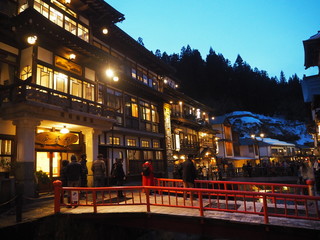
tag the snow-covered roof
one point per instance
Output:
(275, 142)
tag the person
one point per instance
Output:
(63, 176)
(99, 169)
(189, 174)
(74, 171)
(147, 174)
(83, 162)
(118, 175)
(316, 168)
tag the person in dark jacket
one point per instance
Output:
(83, 162)
(189, 174)
(74, 171)
(118, 174)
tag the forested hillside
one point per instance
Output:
(228, 87)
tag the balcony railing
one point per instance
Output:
(18, 93)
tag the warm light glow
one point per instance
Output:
(212, 118)
(177, 85)
(165, 81)
(67, 1)
(175, 157)
(180, 103)
(115, 79)
(105, 31)
(253, 136)
(262, 135)
(64, 130)
(109, 73)
(32, 39)
(72, 56)
(171, 102)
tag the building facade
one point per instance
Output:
(72, 82)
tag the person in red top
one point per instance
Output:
(147, 174)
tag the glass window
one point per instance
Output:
(70, 25)
(44, 76)
(159, 155)
(42, 7)
(156, 144)
(229, 148)
(133, 73)
(116, 140)
(60, 82)
(88, 91)
(75, 87)
(131, 142)
(56, 17)
(145, 143)
(83, 33)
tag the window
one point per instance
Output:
(131, 142)
(159, 155)
(114, 100)
(26, 72)
(145, 143)
(132, 107)
(88, 91)
(146, 111)
(70, 25)
(6, 146)
(116, 140)
(229, 148)
(133, 73)
(44, 76)
(60, 82)
(83, 32)
(156, 144)
(56, 17)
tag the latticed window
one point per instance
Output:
(44, 76)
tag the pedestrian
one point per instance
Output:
(99, 171)
(316, 168)
(147, 174)
(83, 162)
(118, 175)
(74, 171)
(189, 174)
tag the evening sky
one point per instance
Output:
(267, 34)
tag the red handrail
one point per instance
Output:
(272, 204)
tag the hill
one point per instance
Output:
(247, 123)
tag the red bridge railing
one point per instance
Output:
(264, 204)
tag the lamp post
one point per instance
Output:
(253, 136)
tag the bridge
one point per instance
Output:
(268, 204)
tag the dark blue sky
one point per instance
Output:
(268, 34)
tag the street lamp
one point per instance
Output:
(256, 141)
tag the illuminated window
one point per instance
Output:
(75, 87)
(26, 72)
(159, 155)
(229, 148)
(60, 82)
(70, 25)
(133, 73)
(116, 140)
(44, 76)
(83, 33)
(56, 17)
(88, 91)
(145, 143)
(42, 8)
(131, 142)
(156, 144)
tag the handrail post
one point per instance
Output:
(310, 184)
(200, 203)
(147, 199)
(57, 192)
(94, 200)
(265, 209)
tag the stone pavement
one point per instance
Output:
(44, 206)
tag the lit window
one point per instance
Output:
(70, 25)
(83, 33)
(88, 91)
(60, 82)
(131, 142)
(156, 144)
(56, 17)
(75, 87)
(145, 143)
(44, 76)
(116, 140)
